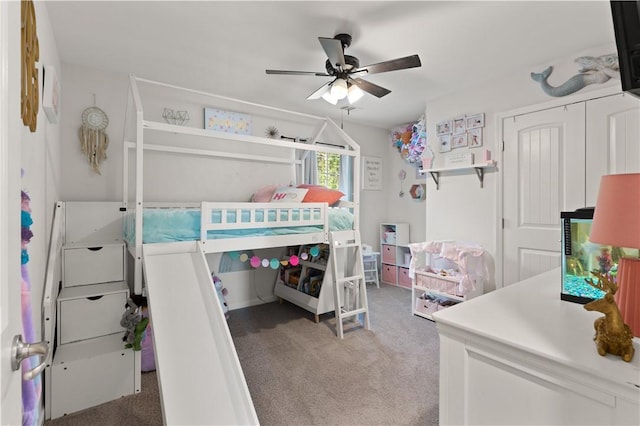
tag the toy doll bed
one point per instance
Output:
(172, 239)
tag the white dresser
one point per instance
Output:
(520, 355)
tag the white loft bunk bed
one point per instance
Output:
(177, 278)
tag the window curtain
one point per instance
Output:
(346, 177)
(310, 168)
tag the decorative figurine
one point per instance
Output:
(612, 334)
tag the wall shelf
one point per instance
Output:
(478, 168)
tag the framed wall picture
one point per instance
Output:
(475, 121)
(227, 121)
(444, 127)
(51, 94)
(459, 141)
(372, 173)
(459, 125)
(475, 137)
(445, 143)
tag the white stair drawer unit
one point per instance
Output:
(91, 264)
(91, 372)
(91, 311)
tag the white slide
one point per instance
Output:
(199, 374)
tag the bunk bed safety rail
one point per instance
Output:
(230, 216)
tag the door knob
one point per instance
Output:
(21, 351)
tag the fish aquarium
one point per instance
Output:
(580, 257)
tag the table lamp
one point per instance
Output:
(616, 222)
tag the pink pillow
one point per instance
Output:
(321, 194)
(264, 194)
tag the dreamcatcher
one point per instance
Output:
(93, 140)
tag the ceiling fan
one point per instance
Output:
(347, 72)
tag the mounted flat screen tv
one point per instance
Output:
(626, 26)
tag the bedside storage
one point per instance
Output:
(389, 274)
(388, 254)
(404, 280)
(92, 372)
(89, 264)
(91, 311)
(396, 255)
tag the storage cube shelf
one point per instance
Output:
(396, 256)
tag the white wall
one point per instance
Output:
(460, 209)
(173, 178)
(40, 161)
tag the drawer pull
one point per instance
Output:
(95, 297)
(94, 248)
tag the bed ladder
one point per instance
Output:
(349, 286)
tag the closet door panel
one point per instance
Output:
(543, 173)
(612, 139)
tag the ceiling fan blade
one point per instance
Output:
(333, 48)
(321, 91)
(412, 61)
(368, 87)
(320, 74)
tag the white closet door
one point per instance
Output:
(613, 139)
(544, 174)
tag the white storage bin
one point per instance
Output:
(90, 311)
(86, 264)
(92, 372)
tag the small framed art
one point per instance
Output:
(459, 125)
(475, 121)
(459, 141)
(445, 143)
(444, 127)
(475, 137)
(372, 173)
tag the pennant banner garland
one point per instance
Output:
(274, 263)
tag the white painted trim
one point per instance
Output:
(558, 102)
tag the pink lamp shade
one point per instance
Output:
(616, 222)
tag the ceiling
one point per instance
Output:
(225, 47)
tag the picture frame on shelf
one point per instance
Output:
(444, 127)
(227, 121)
(475, 121)
(475, 137)
(459, 141)
(445, 143)
(459, 125)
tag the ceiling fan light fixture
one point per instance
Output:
(327, 97)
(339, 89)
(354, 94)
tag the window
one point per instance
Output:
(335, 172)
(328, 170)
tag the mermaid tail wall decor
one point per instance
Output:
(593, 70)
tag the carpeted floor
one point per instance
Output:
(299, 373)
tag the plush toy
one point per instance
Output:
(135, 324)
(222, 292)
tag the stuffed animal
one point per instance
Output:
(222, 292)
(135, 324)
